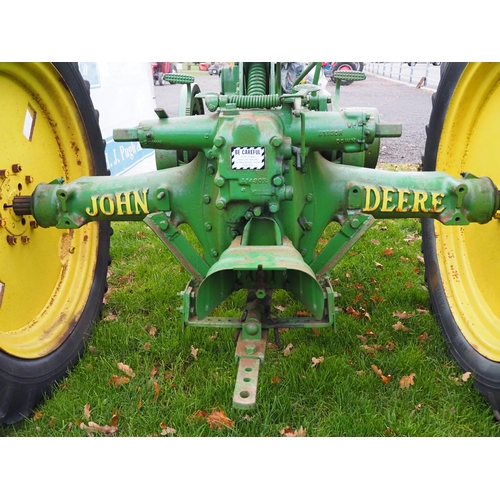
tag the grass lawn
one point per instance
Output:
(383, 371)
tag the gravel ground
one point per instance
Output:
(396, 103)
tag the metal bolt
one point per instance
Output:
(219, 141)
(163, 225)
(257, 211)
(33, 224)
(206, 199)
(4, 174)
(160, 195)
(214, 253)
(277, 180)
(273, 207)
(25, 240)
(309, 197)
(219, 181)
(220, 204)
(28, 179)
(276, 141)
(16, 168)
(11, 240)
(250, 349)
(208, 226)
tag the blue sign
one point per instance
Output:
(122, 156)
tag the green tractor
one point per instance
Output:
(257, 174)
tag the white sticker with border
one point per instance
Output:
(248, 158)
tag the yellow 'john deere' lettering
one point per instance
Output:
(401, 200)
(127, 203)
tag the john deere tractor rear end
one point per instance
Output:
(257, 178)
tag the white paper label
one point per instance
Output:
(251, 158)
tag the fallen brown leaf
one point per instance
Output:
(402, 315)
(385, 378)
(126, 369)
(289, 432)
(316, 361)
(288, 350)
(86, 411)
(167, 430)
(218, 420)
(37, 415)
(102, 429)
(399, 326)
(194, 352)
(275, 380)
(406, 381)
(388, 251)
(117, 380)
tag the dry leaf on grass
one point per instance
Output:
(407, 381)
(126, 369)
(117, 380)
(399, 326)
(385, 378)
(194, 352)
(466, 376)
(288, 350)
(402, 315)
(167, 430)
(316, 361)
(219, 420)
(86, 411)
(289, 432)
(108, 430)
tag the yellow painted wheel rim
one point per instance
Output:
(469, 256)
(45, 274)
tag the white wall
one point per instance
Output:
(123, 93)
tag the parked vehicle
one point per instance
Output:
(330, 68)
(414, 63)
(161, 68)
(204, 66)
(215, 69)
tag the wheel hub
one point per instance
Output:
(13, 182)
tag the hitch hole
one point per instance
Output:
(244, 394)
(23, 221)
(19, 187)
(457, 219)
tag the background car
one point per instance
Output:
(330, 68)
(215, 68)
(161, 68)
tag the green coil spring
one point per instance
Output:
(256, 83)
(256, 101)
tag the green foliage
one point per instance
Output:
(181, 377)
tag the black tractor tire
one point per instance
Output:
(26, 378)
(462, 262)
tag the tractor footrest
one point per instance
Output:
(349, 76)
(178, 78)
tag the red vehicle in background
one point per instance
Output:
(330, 67)
(161, 68)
